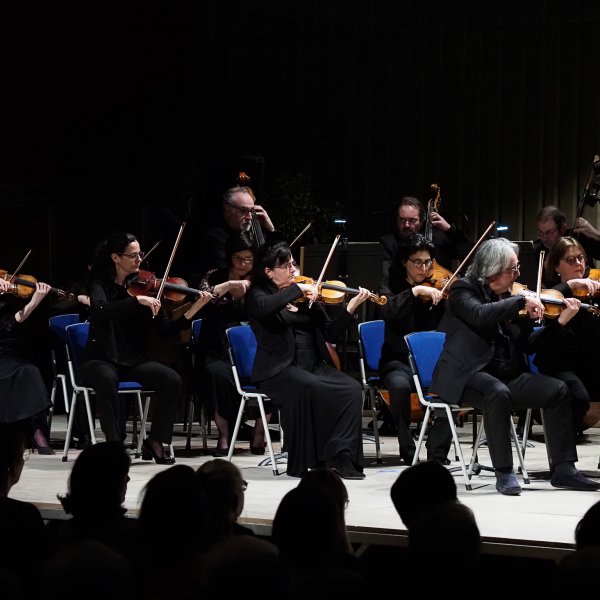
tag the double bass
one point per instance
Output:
(438, 277)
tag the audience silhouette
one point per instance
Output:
(24, 541)
(97, 487)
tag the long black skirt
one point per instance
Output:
(321, 415)
(23, 393)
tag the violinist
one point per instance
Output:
(229, 284)
(410, 218)
(320, 406)
(412, 307)
(567, 346)
(484, 364)
(239, 209)
(23, 393)
(117, 344)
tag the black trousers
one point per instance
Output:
(580, 397)
(398, 379)
(104, 377)
(497, 400)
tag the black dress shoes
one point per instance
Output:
(574, 481)
(343, 465)
(148, 453)
(507, 484)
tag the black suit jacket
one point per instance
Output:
(470, 322)
(276, 346)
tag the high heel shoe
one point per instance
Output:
(148, 453)
(43, 448)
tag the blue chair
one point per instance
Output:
(370, 341)
(242, 350)
(58, 356)
(425, 348)
(196, 400)
(77, 335)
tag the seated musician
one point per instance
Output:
(551, 225)
(484, 364)
(411, 307)
(567, 345)
(23, 393)
(117, 344)
(230, 285)
(238, 207)
(320, 407)
(409, 217)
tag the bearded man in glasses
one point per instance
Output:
(409, 217)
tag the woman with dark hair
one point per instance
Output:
(412, 306)
(117, 345)
(320, 407)
(567, 345)
(229, 284)
(23, 393)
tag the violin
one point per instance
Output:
(334, 292)
(23, 286)
(581, 292)
(147, 284)
(553, 301)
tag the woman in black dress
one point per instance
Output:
(320, 407)
(23, 393)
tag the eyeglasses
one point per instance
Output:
(134, 255)
(244, 485)
(571, 260)
(514, 269)
(419, 262)
(412, 221)
(246, 260)
(547, 233)
(287, 267)
(241, 210)
(26, 454)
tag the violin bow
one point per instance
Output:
(16, 271)
(301, 234)
(164, 279)
(331, 251)
(152, 250)
(538, 285)
(464, 262)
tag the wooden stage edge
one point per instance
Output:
(363, 537)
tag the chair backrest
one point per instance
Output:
(531, 357)
(59, 324)
(242, 349)
(77, 336)
(196, 329)
(425, 348)
(371, 335)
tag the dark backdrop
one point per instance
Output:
(113, 111)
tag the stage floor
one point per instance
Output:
(539, 523)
